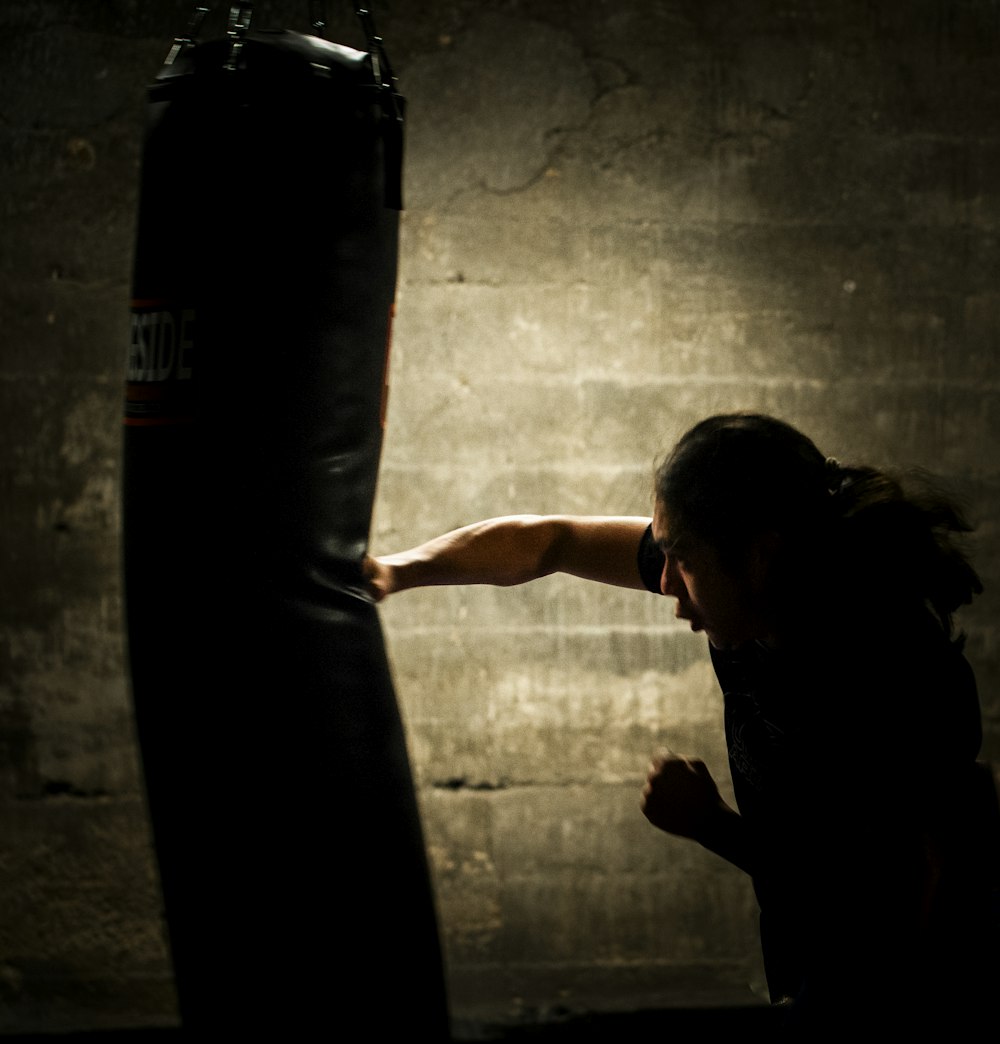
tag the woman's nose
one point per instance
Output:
(669, 581)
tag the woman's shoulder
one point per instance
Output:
(917, 684)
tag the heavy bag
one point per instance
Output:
(296, 889)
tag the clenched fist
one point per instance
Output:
(680, 796)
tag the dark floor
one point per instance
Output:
(616, 1027)
(607, 1028)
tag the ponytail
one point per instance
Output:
(903, 533)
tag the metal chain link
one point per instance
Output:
(190, 33)
(240, 15)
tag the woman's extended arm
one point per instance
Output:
(515, 549)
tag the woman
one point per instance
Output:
(852, 719)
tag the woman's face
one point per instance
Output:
(727, 604)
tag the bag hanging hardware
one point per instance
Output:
(317, 17)
(380, 61)
(240, 15)
(387, 95)
(190, 34)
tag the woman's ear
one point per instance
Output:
(764, 558)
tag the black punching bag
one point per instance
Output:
(297, 893)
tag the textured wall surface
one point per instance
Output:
(620, 217)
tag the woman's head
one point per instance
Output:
(804, 528)
(734, 477)
(738, 503)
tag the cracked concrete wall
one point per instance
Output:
(619, 217)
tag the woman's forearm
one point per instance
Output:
(726, 835)
(499, 551)
(515, 549)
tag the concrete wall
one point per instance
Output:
(619, 217)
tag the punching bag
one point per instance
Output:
(296, 889)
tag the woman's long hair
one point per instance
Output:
(736, 476)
